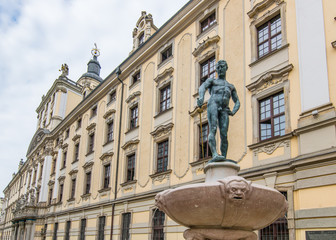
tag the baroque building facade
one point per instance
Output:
(104, 148)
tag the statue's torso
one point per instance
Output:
(220, 91)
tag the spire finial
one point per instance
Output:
(95, 51)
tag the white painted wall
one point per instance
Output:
(45, 179)
(63, 104)
(312, 54)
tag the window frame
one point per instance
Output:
(200, 135)
(125, 226)
(67, 230)
(158, 229)
(208, 61)
(272, 116)
(112, 96)
(91, 142)
(73, 188)
(76, 151)
(82, 229)
(110, 131)
(166, 53)
(88, 181)
(94, 111)
(60, 191)
(134, 117)
(130, 171)
(164, 158)
(101, 227)
(208, 22)
(270, 37)
(135, 78)
(166, 102)
(107, 176)
(55, 231)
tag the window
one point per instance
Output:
(157, 225)
(130, 167)
(82, 229)
(208, 69)
(277, 230)
(50, 195)
(162, 157)
(165, 98)
(126, 220)
(79, 123)
(136, 78)
(272, 116)
(141, 39)
(204, 148)
(269, 36)
(53, 168)
(88, 183)
(166, 53)
(109, 132)
(134, 117)
(208, 22)
(107, 175)
(67, 133)
(64, 159)
(91, 143)
(60, 195)
(94, 111)
(101, 228)
(112, 96)
(73, 188)
(76, 154)
(55, 231)
(41, 171)
(67, 230)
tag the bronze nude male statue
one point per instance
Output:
(218, 110)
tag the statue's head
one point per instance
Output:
(221, 67)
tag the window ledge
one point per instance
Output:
(202, 34)
(161, 174)
(104, 190)
(128, 183)
(163, 112)
(200, 161)
(89, 153)
(165, 61)
(268, 55)
(71, 200)
(270, 141)
(131, 129)
(74, 161)
(108, 142)
(86, 196)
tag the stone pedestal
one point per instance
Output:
(219, 170)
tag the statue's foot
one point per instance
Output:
(219, 158)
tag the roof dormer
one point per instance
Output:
(144, 29)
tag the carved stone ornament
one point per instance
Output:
(73, 171)
(61, 179)
(162, 130)
(109, 113)
(88, 165)
(205, 44)
(195, 112)
(91, 126)
(130, 145)
(270, 148)
(107, 155)
(270, 78)
(51, 183)
(333, 44)
(165, 74)
(261, 6)
(132, 96)
(159, 177)
(76, 137)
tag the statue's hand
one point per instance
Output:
(230, 113)
(200, 102)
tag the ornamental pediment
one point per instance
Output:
(162, 130)
(38, 137)
(205, 44)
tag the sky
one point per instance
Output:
(38, 36)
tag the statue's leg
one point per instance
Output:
(212, 121)
(223, 122)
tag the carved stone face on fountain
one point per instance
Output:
(237, 190)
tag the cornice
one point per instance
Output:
(164, 74)
(73, 171)
(205, 44)
(132, 96)
(268, 76)
(88, 164)
(77, 136)
(162, 129)
(109, 113)
(261, 6)
(130, 143)
(91, 126)
(197, 110)
(105, 155)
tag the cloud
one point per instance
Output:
(38, 36)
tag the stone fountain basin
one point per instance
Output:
(231, 202)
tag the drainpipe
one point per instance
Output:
(118, 72)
